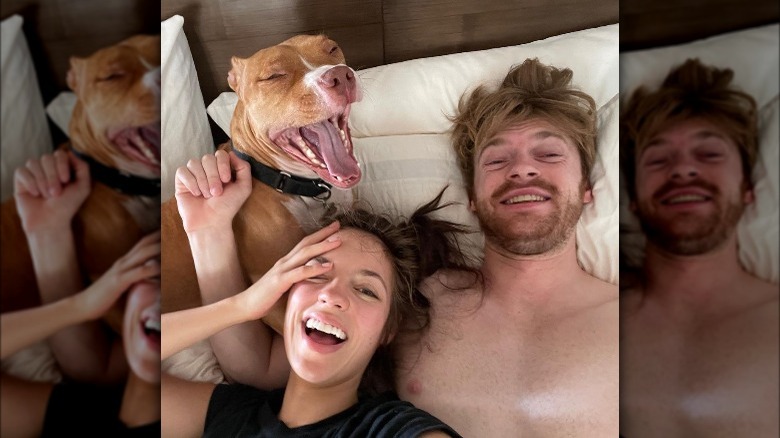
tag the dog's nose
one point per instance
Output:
(340, 79)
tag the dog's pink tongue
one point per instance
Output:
(340, 162)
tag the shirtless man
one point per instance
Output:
(532, 350)
(699, 345)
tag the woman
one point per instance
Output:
(98, 394)
(351, 287)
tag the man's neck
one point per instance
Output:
(693, 284)
(536, 280)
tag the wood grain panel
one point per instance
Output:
(58, 29)
(442, 29)
(237, 19)
(651, 24)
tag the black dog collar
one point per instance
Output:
(283, 182)
(118, 180)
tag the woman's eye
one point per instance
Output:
(494, 162)
(367, 292)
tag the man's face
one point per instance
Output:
(690, 191)
(528, 189)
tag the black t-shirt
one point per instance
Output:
(243, 411)
(77, 409)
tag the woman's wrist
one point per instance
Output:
(77, 308)
(237, 305)
(49, 235)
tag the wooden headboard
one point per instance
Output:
(373, 32)
(55, 30)
(646, 24)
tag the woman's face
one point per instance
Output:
(334, 322)
(141, 330)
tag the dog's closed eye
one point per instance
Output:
(272, 77)
(112, 76)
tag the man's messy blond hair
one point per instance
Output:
(529, 91)
(691, 90)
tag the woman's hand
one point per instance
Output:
(205, 194)
(46, 197)
(258, 299)
(140, 263)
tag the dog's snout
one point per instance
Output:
(341, 79)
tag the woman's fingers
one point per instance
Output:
(54, 187)
(62, 166)
(306, 271)
(196, 168)
(187, 179)
(223, 165)
(317, 236)
(80, 168)
(213, 180)
(24, 182)
(303, 255)
(35, 169)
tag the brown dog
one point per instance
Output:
(115, 127)
(293, 105)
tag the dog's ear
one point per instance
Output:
(235, 73)
(74, 73)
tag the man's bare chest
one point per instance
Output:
(528, 375)
(714, 381)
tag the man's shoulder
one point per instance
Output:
(602, 293)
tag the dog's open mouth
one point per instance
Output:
(325, 147)
(140, 143)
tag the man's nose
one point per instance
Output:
(522, 168)
(684, 168)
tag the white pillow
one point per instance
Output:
(61, 108)
(753, 55)
(24, 132)
(185, 127)
(401, 130)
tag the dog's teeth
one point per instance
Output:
(310, 154)
(343, 135)
(323, 165)
(337, 177)
(301, 143)
(315, 161)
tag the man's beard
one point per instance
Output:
(529, 233)
(690, 234)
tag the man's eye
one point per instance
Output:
(495, 162)
(711, 155)
(318, 279)
(655, 162)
